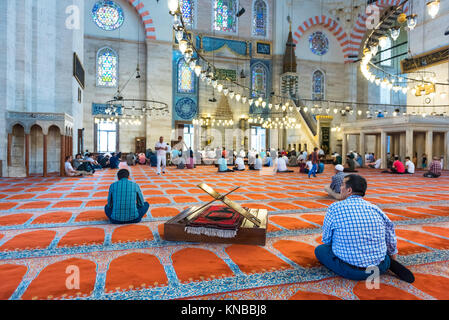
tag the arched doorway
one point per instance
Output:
(53, 150)
(36, 150)
(16, 152)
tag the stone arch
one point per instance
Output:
(359, 30)
(150, 30)
(53, 149)
(330, 24)
(36, 149)
(17, 145)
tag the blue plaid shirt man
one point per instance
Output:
(126, 201)
(359, 232)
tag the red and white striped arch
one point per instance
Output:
(328, 23)
(150, 30)
(359, 30)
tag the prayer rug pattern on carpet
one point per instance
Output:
(51, 226)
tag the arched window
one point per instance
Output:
(225, 15)
(186, 78)
(260, 18)
(318, 85)
(188, 11)
(259, 80)
(107, 68)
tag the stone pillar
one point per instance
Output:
(344, 148)
(446, 150)
(383, 149)
(45, 156)
(429, 146)
(409, 143)
(62, 165)
(27, 154)
(9, 149)
(362, 146)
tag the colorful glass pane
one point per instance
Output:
(187, 7)
(107, 68)
(259, 81)
(318, 85)
(319, 44)
(108, 15)
(259, 18)
(186, 78)
(224, 14)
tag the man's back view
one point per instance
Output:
(125, 201)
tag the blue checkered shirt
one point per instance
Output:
(124, 198)
(337, 180)
(359, 232)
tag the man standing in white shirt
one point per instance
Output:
(161, 148)
(409, 166)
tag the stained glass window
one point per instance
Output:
(224, 15)
(107, 15)
(259, 81)
(187, 8)
(318, 85)
(186, 78)
(319, 44)
(260, 18)
(107, 66)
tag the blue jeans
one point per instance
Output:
(313, 171)
(141, 210)
(325, 255)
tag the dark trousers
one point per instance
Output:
(142, 211)
(431, 175)
(325, 255)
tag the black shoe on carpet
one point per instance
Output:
(401, 271)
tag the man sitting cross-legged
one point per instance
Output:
(334, 189)
(280, 165)
(70, 172)
(223, 165)
(434, 169)
(125, 201)
(358, 235)
(239, 164)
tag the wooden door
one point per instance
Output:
(141, 145)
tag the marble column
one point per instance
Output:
(344, 148)
(62, 164)
(429, 146)
(409, 143)
(27, 154)
(362, 146)
(9, 149)
(383, 149)
(45, 156)
(446, 150)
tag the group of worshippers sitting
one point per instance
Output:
(358, 238)
(87, 165)
(397, 167)
(147, 158)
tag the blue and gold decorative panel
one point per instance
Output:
(100, 109)
(261, 84)
(185, 89)
(107, 15)
(209, 44)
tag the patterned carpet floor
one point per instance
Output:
(49, 224)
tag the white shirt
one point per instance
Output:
(161, 152)
(240, 164)
(69, 169)
(258, 164)
(280, 164)
(242, 153)
(410, 166)
(285, 159)
(377, 163)
(309, 165)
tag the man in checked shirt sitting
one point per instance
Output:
(357, 235)
(125, 201)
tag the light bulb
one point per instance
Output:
(374, 49)
(383, 41)
(238, 97)
(257, 103)
(197, 70)
(179, 35)
(250, 101)
(244, 99)
(173, 5)
(220, 87)
(433, 7)
(395, 32)
(231, 94)
(225, 91)
(411, 21)
(183, 46)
